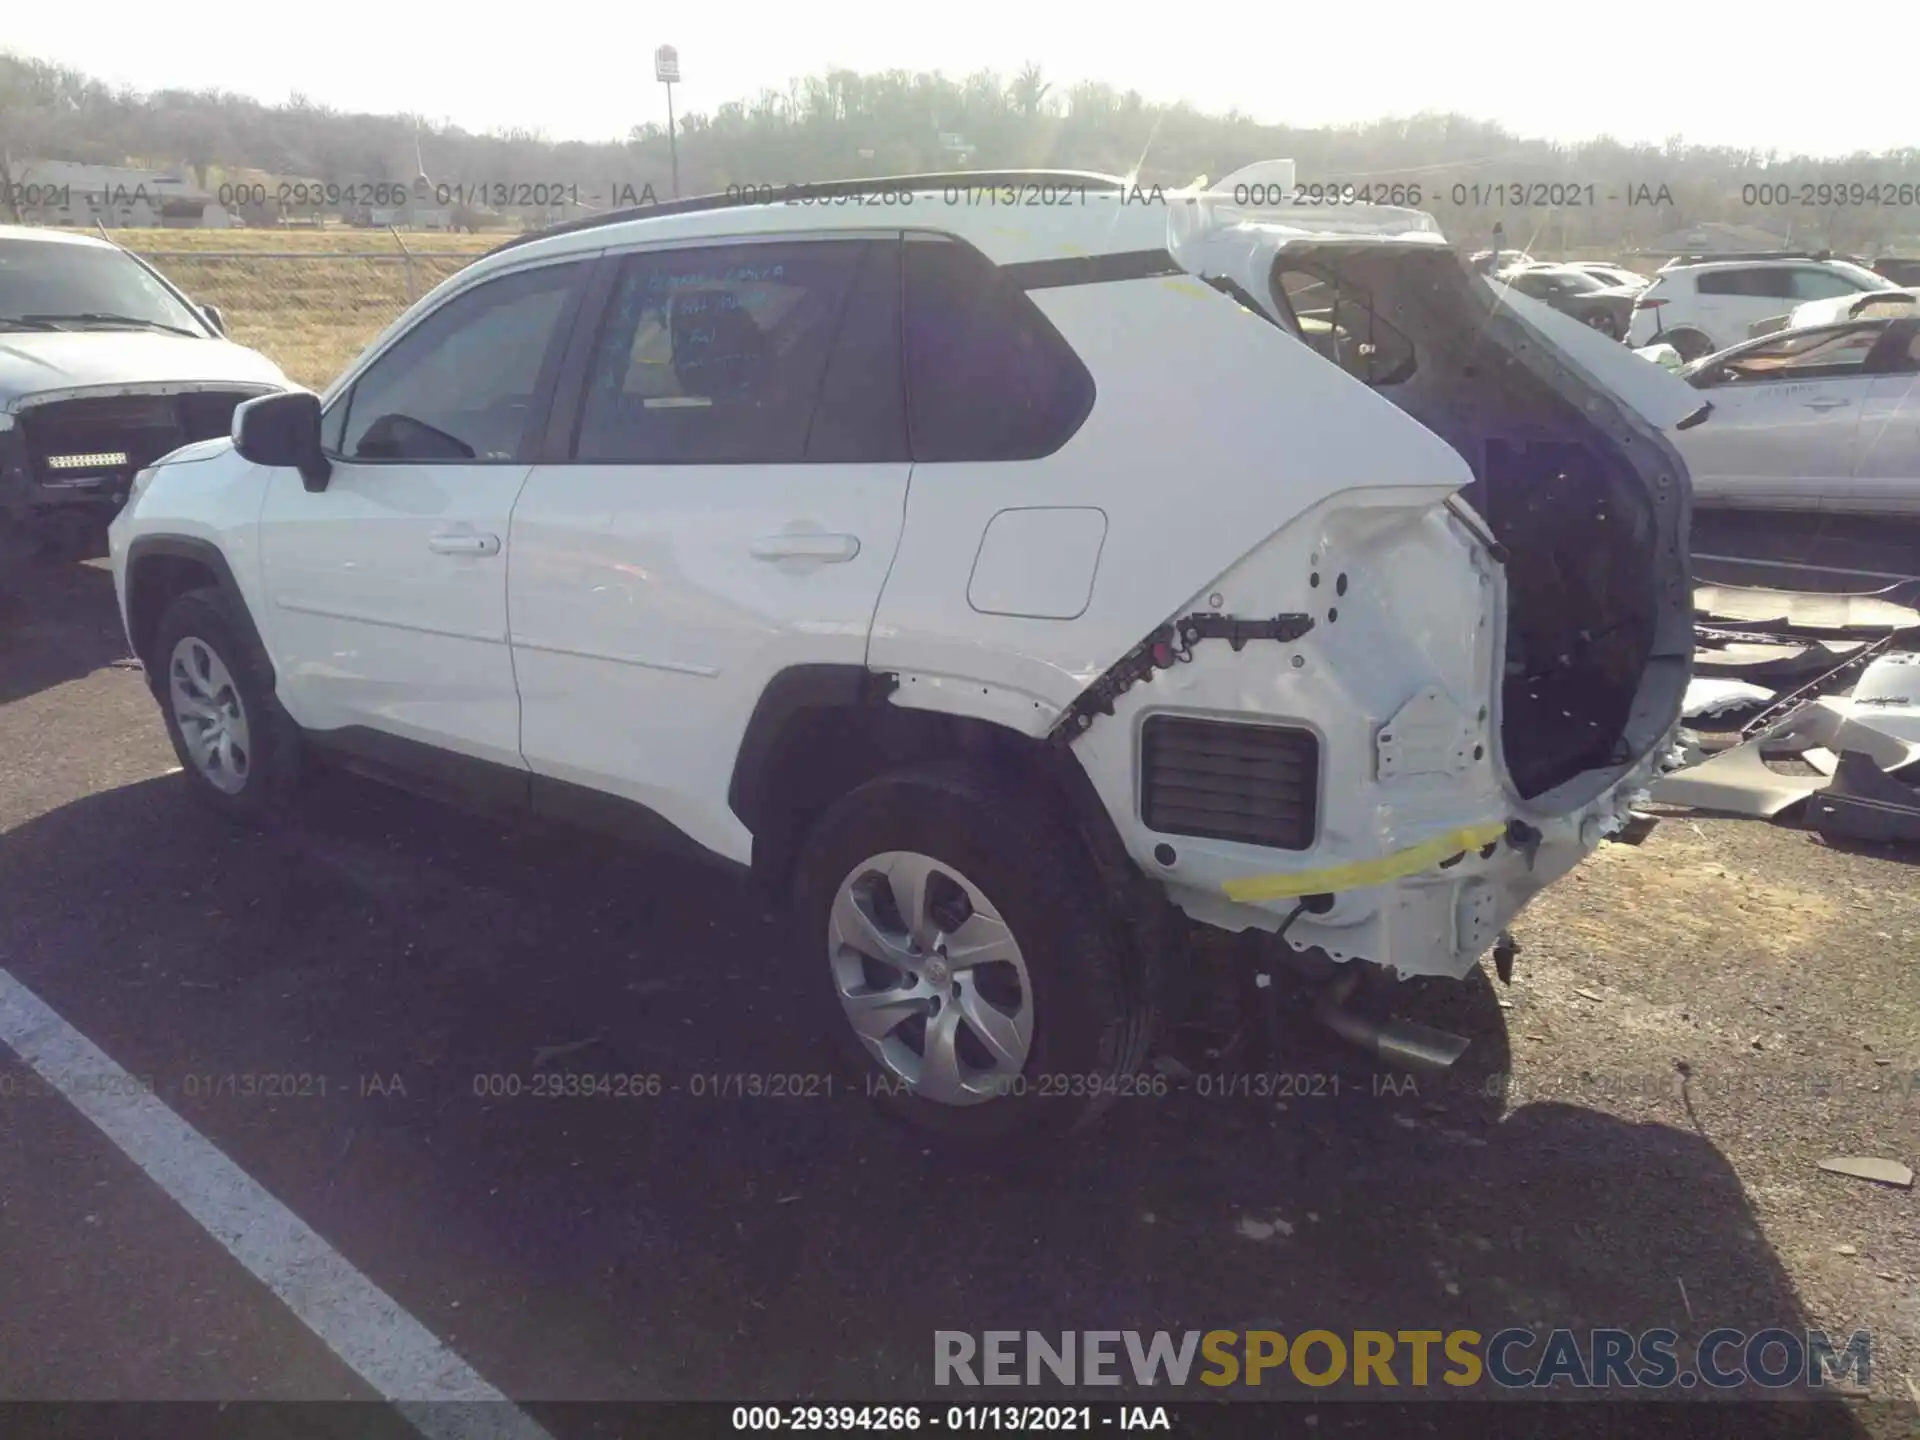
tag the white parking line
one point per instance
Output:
(437, 1391)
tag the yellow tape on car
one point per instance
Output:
(1360, 874)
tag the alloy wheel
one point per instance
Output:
(212, 719)
(931, 978)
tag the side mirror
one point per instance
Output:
(283, 431)
(215, 318)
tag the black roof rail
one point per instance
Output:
(1708, 256)
(743, 195)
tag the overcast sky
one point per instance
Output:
(581, 71)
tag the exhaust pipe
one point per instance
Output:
(1400, 1042)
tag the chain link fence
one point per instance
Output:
(309, 300)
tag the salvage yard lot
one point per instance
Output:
(1694, 1023)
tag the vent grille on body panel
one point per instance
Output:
(1225, 781)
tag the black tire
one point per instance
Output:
(1690, 344)
(273, 758)
(1092, 1019)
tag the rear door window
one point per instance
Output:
(1771, 282)
(1814, 284)
(988, 376)
(726, 355)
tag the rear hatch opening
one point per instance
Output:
(1588, 501)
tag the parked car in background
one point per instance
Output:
(1615, 275)
(104, 368)
(1700, 306)
(1607, 308)
(1824, 419)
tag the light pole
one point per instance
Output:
(666, 69)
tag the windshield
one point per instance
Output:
(1866, 279)
(45, 281)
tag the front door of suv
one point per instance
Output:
(724, 488)
(387, 591)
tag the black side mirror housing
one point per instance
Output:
(215, 318)
(283, 431)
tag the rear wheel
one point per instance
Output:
(977, 975)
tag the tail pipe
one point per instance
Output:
(1399, 1042)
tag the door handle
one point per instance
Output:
(1826, 404)
(830, 549)
(464, 543)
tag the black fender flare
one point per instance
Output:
(797, 688)
(204, 553)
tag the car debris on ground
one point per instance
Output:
(1823, 694)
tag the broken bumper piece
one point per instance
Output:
(1434, 907)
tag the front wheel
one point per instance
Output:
(238, 747)
(978, 977)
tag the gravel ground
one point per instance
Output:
(1632, 1140)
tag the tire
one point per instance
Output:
(1691, 344)
(209, 674)
(988, 849)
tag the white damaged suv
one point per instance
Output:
(997, 566)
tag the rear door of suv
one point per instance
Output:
(721, 491)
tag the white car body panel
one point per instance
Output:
(636, 593)
(1291, 487)
(1261, 469)
(1886, 466)
(1775, 444)
(376, 617)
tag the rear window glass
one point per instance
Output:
(1338, 319)
(988, 377)
(1772, 283)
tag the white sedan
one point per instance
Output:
(1824, 419)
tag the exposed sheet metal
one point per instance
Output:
(1709, 695)
(1797, 610)
(1863, 802)
(1736, 782)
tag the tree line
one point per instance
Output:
(1597, 194)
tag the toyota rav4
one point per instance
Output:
(999, 567)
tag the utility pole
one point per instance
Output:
(666, 69)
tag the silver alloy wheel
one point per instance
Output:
(931, 978)
(212, 721)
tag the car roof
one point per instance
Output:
(1103, 215)
(54, 237)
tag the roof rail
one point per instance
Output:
(1708, 256)
(744, 195)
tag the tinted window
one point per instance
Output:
(1771, 282)
(721, 356)
(459, 386)
(1809, 354)
(988, 377)
(1811, 284)
(1337, 319)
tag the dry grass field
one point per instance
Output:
(304, 297)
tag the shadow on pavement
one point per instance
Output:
(57, 623)
(374, 1010)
